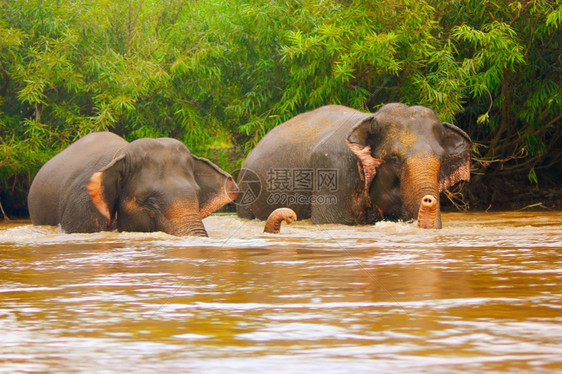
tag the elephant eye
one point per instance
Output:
(150, 204)
(392, 160)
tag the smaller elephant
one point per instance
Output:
(102, 182)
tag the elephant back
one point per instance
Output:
(63, 177)
(292, 143)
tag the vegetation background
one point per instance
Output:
(219, 74)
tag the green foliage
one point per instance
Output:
(220, 74)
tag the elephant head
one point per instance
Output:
(407, 157)
(158, 185)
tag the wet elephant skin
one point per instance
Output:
(102, 182)
(383, 165)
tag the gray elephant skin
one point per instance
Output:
(339, 165)
(102, 182)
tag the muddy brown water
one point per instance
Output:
(484, 294)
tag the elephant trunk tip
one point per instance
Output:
(429, 201)
(273, 223)
(428, 213)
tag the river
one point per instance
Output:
(484, 294)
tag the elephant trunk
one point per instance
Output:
(183, 219)
(420, 190)
(273, 224)
(194, 229)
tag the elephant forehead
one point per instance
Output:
(400, 139)
(405, 111)
(164, 158)
(157, 148)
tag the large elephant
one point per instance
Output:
(102, 182)
(338, 165)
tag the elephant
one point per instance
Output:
(102, 182)
(339, 165)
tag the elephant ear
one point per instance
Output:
(456, 164)
(104, 187)
(216, 188)
(357, 140)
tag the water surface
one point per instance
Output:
(484, 294)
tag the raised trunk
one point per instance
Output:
(420, 190)
(273, 224)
